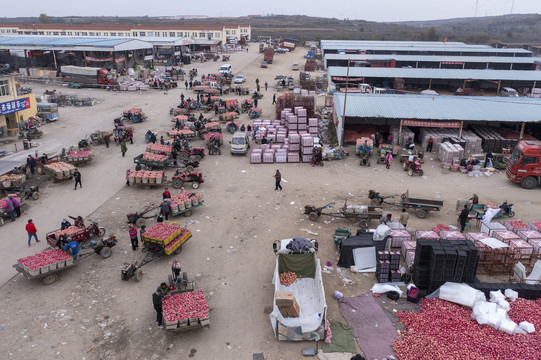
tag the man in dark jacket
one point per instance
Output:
(157, 302)
(463, 217)
(165, 208)
(77, 177)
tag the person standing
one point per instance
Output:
(273, 99)
(165, 208)
(16, 206)
(278, 179)
(258, 88)
(157, 302)
(31, 162)
(186, 84)
(77, 177)
(266, 85)
(11, 209)
(404, 217)
(463, 217)
(166, 194)
(32, 231)
(107, 140)
(133, 237)
(141, 232)
(389, 159)
(430, 144)
(123, 148)
(257, 81)
(191, 84)
(128, 177)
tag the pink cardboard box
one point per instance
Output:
(293, 157)
(255, 157)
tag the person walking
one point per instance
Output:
(107, 140)
(389, 159)
(16, 207)
(258, 88)
(128, 177)
(463, 217)
(257, 81)
(191, 84)
(278, 179)
(133, 237)
(157, 302)
(165, 208)
(11, 209)
(404, 217)
(186, 84)
(266, 85)
(32, 231)
(273, 99)
(123, 148)
(77, 177)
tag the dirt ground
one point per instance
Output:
(89, 313)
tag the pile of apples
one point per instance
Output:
(72, 230)
(161, 231)
(43, 259)
(155, 157)
(158, 148)
(60, 166)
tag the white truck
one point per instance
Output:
(240, 143)
(307, 290)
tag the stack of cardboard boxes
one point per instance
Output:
(287, 304)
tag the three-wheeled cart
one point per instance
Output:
(64, 172)
(362, 213)
(421, 206)
(162, 239)
(49, 275)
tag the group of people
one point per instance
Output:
(13, 207)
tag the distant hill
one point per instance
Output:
(523, 28)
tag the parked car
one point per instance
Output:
(240, 79)
(240, 143)
(282, 50)
(509, 92)
(264, 64)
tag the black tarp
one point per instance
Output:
(304, 265)
(351, 243)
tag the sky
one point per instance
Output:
(372, 10)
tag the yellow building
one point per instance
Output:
(14, 108)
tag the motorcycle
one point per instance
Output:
(507, 209)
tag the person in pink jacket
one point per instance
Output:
(133, 237)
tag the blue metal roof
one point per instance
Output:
(449, 74)
(426, 107)
(436, 58)
(460, 49)
(383, 43)
(39, 42)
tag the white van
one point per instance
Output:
(225, 69)
(509, 92)
(240, 143)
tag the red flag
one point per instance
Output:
(444, 40)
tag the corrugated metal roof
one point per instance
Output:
(384, 43)
(462, 49)
(449, 74)
(39, 42)
(436, 58)
(425, 107)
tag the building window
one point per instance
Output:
(135, 33)
(70, 33)
(194, 34)
(91, 33)
(157, 33)
(55, 33)
(201, 34)
(227, 32)
(63, 33)
(41, 33)
(233, 32)
(4, 88)
(77, 33)
(98, 34)
(217, 35)
(164, 34)
(142, 33)
(84, 33)
(187, 34)
(48, 33)
(210, 35)
(113, 34)
(2, 31)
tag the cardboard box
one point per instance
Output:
(287, 304)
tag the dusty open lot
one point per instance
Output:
(91, 314)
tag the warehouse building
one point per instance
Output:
(489, 81)
(354, 111)
(193, 31)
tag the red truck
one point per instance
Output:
(269, 55)
(524, 166)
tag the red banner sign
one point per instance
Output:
(436, 124)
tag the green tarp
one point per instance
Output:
(342, 339)
(304, 265)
